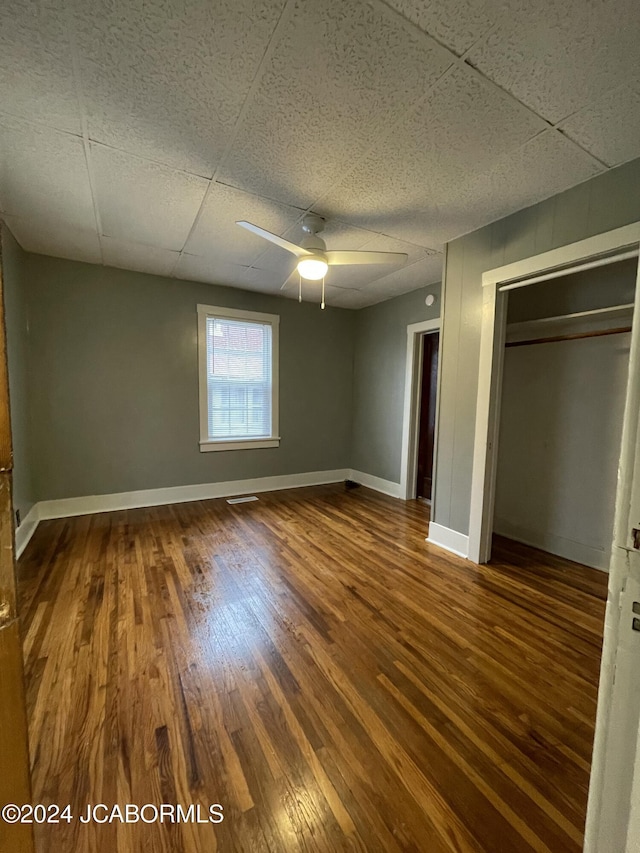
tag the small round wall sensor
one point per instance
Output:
(430, 300)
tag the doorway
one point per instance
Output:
(421, 349)
(427, 418)
(566, 365)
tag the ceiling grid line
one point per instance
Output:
(286, 12)
(463, 58)
(77, 79)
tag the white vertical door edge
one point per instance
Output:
(483, 477)
(612, 824)
(410, 417)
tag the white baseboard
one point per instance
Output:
(394, 490)
(448, 539)
(91, 504)
(67, 507)
(26, 529)
(587, 555)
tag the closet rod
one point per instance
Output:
(575, 337)
(587, 265)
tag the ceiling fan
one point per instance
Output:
(313, 258)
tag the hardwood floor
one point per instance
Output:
(311, 664)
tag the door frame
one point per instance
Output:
(491, 360)
(610, 822)
(410, 418)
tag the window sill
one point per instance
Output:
(239, 444)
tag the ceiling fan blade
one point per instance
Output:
(366, 258)
(292, 279)
(298, 251)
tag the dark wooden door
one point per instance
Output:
(427, 423)
(14, 754)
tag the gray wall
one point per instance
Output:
(601, 204)
(15, 304)
(560, 431)
(115, 382)
(379, 375)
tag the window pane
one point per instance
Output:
(239, 368)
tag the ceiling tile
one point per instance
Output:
(36, 66)
(197, 268)
(167, 80)
(559, 55)
(455, 23)
(543, 167)
(342, 72)
(271, 280)
(423, 272)
(136, 256)
(44, 176)
(349, 299)
(597, 127)
(463, 126)
(143, 201)
(48, 236)
(345, 237)
(216, 233)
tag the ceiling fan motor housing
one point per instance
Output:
(312, 223)
(313, 244)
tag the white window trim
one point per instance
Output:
(206, 444)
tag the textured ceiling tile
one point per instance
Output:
(166, 79)
(197, 268)
(342, 72)
(343, 236)
(463, 126)
(558, 55)
(543, 167)
(216, 232)
(143, 201)
(419, 274)
(43, 175)
(136, 256)
(456, 23)
(36, 67)
(270, 279)
(597, 127)
(349, 299)
(279, 264)
(355, 276)
(47, 236)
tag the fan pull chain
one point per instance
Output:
(322, 305)
(299, 288)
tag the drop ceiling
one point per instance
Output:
(133, 133)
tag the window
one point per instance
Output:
(238, 367)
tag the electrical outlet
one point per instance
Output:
(17, 518)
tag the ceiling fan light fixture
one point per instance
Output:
(313, 268)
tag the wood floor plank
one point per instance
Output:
(309, 662)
